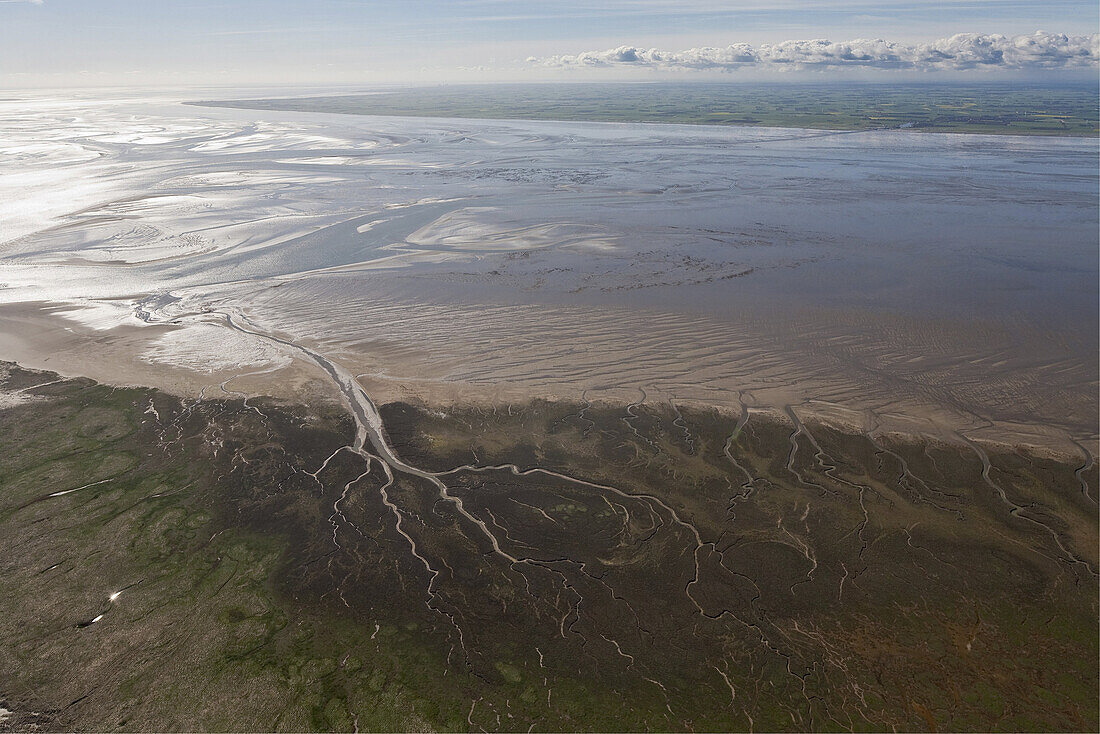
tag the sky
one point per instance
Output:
(60, 43)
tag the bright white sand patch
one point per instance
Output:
(101, 315)
(328, 160)
(421, 202)
(14, 399)
(138, 139)
(210, 348)
(480, 229)
(364, 228)
(17, 397)
(48, 153)
(153, 133)
(252, 179)
(33, 199)
(162, 206)
(342, 160)
(275, 139)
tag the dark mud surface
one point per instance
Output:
(228, 565)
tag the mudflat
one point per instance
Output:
(930, 283)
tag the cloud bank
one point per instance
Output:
(961, 52)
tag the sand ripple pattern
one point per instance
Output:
(929, 283)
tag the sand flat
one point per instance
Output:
(928, 283)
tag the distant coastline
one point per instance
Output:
(989, 109)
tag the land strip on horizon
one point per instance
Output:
(991, 108)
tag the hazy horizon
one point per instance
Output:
(124, 43)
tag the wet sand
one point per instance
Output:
(939, 285)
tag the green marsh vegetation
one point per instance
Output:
(676, 569)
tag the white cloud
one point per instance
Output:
(963, 51)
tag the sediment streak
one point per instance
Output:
(370, 428)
